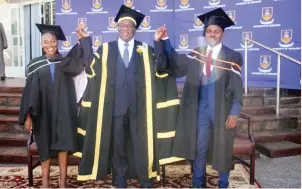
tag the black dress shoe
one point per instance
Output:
(3, 78)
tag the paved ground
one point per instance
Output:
(279, 172)
(272, 173)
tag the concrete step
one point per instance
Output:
(283, 100)
(262, 91)
(292, 109)
(10, 99)
(269, 122)
(18, 155)
(258, 100)
(272, 91)
(254, 100)
(258, 110)
(279, 149)
(9, 110)
(247, 157)
(14, 139)
(12, 85)
(276, 135)
(9, 123)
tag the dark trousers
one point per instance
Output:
(122, 125)
(204, 127)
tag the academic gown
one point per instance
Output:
(51, 102)
(157, 110)
(227, 85)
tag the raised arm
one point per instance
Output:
(79, 57)
(174, 63)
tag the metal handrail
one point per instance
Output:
(278, 68)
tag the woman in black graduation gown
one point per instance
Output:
(48, 106)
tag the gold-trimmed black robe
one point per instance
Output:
(157, 105)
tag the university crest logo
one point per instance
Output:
(214, 2)
(97, 41)
(161, 4)
(82, 23)
(145, 25)
(97, 5)
(67, 44)
(184, 4)
(197, 22)
(286, 38)
(129, 3)
(246, 35)
(112, 25)
(66, 6)
(265, 63)
(232, 15)
(267, 15)
(184, 41)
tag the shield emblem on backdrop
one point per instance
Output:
(231, 15)
(97, 41)
(247, 35)
(128, 3)
(66, 4)
(198, 22)
(67, 43)
(286, 36)
(146, 22)
(161, 3)
(82, 23)
(96, 4)
(184, 40)
(267, 13)
(184, 2)
(111, 22)
(265, 61)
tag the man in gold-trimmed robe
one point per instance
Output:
(129, 108)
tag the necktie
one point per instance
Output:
(126, 55)
(208, 63)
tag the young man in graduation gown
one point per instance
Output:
(48, 105)
(211, 101)
(128, 104)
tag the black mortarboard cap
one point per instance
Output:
(56, 30)
(128, 13)
(216, 17)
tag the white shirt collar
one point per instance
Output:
(121, 42)
(121, 47)
(215, 50)
(215, 53)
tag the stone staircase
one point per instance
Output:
(275, 136)
(13, 138)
